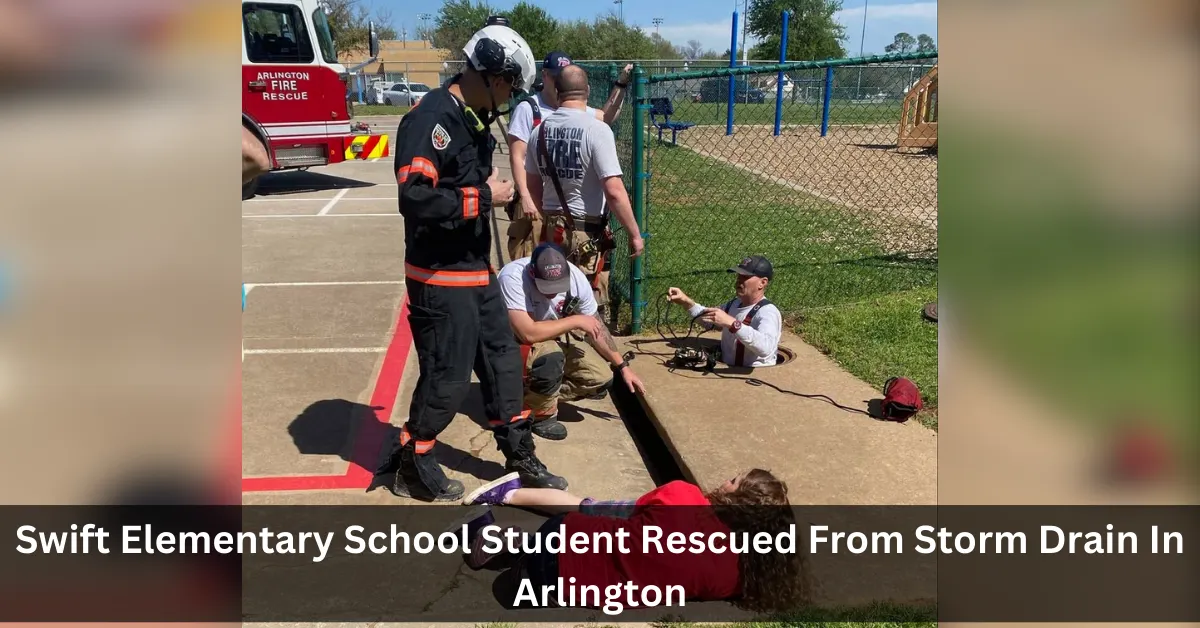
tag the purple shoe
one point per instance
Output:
(493, 492)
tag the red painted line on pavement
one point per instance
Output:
(369, 441)
(387, 387)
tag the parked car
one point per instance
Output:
(405, 94)
(717, 90)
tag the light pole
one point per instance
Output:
(424, 17)
(862, 42)
(745, 44)
(657, 22)
(621, 3)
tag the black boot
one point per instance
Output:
(549, 428)
(420, 477)
(534, 474)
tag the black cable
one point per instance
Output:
(660, 317)
(698, 363)
(753, 381)
(758, 382)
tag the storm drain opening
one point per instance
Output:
(656, 454)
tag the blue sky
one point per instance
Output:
(709, 20)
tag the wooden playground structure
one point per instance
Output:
(918, 116)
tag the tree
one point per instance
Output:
(348, 24)
(605, 37)
(813, 33)
(616, 40)
(693, 49)
(902, 42)
(663, 49)
(456, 22)
(536, 26)
(575, 39)
(925, 43)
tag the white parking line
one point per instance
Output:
(332, 202)
(281, 200)
(321, 350)
(307, 284)
(320, 200)
(395, 215)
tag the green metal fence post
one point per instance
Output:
(640, 107)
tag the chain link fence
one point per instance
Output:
(601, 77)
(811, 167)
(377, 84)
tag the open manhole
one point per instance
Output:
(785, 355)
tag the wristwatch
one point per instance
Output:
(616, 368)
(736, 326)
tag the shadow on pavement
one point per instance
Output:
(351, 431)
(343, 428)
(295, 181)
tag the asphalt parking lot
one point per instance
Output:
(328, 366)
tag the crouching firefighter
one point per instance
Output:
(553, 312)
(459, 322)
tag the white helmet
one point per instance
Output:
(499, 51)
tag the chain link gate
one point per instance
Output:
(812, 167)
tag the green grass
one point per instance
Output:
(840, 112)
(882, 338)
(379, 110)
(860, 305)
(703, 216)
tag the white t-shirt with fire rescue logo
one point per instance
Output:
(521, 293)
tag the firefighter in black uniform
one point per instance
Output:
(447, 190)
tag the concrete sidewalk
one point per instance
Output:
(326, 343)
(719, 425)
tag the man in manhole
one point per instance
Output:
(750, 324)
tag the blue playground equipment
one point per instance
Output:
(663, 107)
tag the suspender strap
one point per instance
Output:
(548, 167)
(740, 354)
(537, 111)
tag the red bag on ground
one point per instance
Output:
(901, 399)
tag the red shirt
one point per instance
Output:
(703, 576)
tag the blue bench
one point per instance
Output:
(663, 107)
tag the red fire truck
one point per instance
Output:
(295, 94)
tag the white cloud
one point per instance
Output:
(712, 35)
(910, 11)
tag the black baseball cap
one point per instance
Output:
(551, 274)
(556, 61)
(754, 266)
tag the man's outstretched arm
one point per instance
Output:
(604, 344)
(616, 98)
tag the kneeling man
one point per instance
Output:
(552, 308)
(750, 324)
